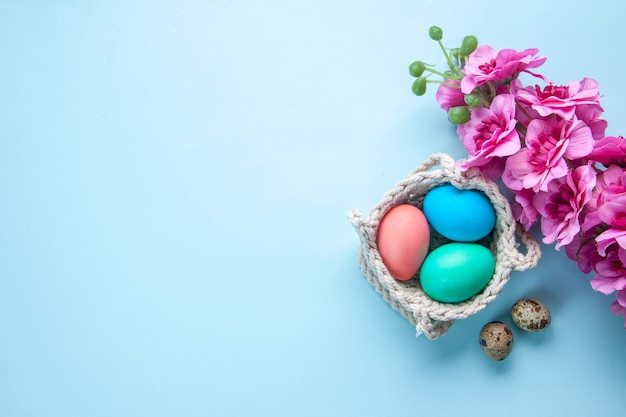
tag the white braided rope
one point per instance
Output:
(431, 317)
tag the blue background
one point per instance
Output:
(174, 183)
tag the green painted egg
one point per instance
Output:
(456, 271)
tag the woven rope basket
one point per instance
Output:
(430, 317)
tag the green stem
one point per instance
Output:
(484, 96)
(451, 64)
(519, 106)
(441, 74)
(492, 90)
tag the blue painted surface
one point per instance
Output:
(174, 183)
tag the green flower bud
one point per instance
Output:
(473, 100)
(419, 86)
(416, 69)
(469, 45)
(435, 33)
(459, 115)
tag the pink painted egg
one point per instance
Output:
(403, 238)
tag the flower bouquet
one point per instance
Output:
(546, 143)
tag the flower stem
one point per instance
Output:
(520, 108)
(451, 64)
(484, 96)
(434, 71)
(492, 90)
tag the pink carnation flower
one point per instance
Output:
(608, 209)
(490, 133)
(449, 94)
(609, 150)
(611, 183)
(619, 305)
(612, 213)
(562, 204)
(590, 114)
(582, 249)
(561, 100)
(548, 143)
(525, 112)
(611, 272)
(523, 209)
(486, 64)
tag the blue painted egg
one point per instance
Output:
(459, 215)
(456, 271)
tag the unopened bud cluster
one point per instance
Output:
(455, 58)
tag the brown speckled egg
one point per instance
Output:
(530, 315)
(496, 340)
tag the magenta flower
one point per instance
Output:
(523, 209)
(611, 272)
(582, 249)
(548, 143)
(486, 64)
(562, 204)
(526, 113)
(611, 183)
(490, 132)
(561, 100)
(609, 150)
(449, 94)
(590, 114)
(619, 305)
(612, 213)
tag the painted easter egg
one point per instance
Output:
(402, 239)
(459, 215)
(456, 271)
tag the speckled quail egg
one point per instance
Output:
(531, 315)
(496, 340)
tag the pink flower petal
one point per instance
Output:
(603, 284)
